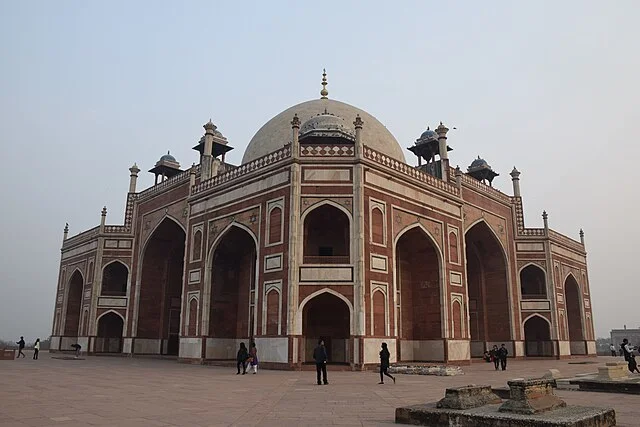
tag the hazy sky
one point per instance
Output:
(87, 88)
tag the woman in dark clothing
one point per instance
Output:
(633, 365)
(241, 358)
(384, 364)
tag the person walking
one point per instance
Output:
(36, 349)
(320, 357)
(241, 358)
(626, 350)
(253, 357)
(384, 364)
(495, 357)
(502, 354)
(613, 350)
(20, 347)
(633, 366)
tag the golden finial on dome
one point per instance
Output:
(324, 92)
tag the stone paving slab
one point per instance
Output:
(117, 391)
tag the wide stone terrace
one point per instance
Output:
(151, 392)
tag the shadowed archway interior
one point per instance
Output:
(537, 337)
(109, 338)
(233, 286)
(327, 317)
(489, 318)
(74, 303)
(161, 286)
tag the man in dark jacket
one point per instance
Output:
(320, 357)
(502, 354)
(20, 347)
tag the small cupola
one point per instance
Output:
(480, 170)
(427, 148)
(328, 128)
(220, 147)
(166, 167)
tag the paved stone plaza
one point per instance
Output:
(150, 392)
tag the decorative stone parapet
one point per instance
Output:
(439, 370)
(470, 396)
(531, 397)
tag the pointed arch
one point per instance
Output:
(298, 328)
(111, 311)
(216, 241)
(327, 235)
(536, 330)
(405, 323)
(530, 285)
(76, 270)
(573, 276)
(323, 202)
(166, 217)
(110, 328)
(575, 314)
(118, 285)
(73, 303)
(468, 227)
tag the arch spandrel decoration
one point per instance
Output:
(497, 224)
(305, 300)
(345, 203)
(402, 220)
(151, 221)
(248, 220)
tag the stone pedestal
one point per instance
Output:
(552, 374)
(466, 397)
(613, 371)
(7, 354)
(531, 397)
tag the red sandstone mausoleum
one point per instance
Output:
(323, 231)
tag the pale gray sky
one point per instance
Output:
(87, 88)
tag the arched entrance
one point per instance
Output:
(418, 282)
(233, 286)
(326, 236)
(327, 317)
(489, 307)
(161, 288)
(109, 338)
(537, 337)
(74, 303)
(574, 316)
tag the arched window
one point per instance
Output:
(532, 282)
(453, 248)
(377, 226)
(326, 236)
(197, 246)
(273, 303)
(456, 313)
(114, 279)
(193, 317)
(379, 314)
(90, 273)
(275, 225)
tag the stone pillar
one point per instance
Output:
(442, 130)
(358, 146)
(192, 178)
(459, 179)
(360, 287)
(295, 143)
(293, 328)
(66, 232)
(103, 219)
(133, 178)
(207, 155)
(545, 220)
(515, 179)
(582, 237)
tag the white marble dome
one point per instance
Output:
(277, 132)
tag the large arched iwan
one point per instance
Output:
(74, 302)
(489, 309)
(161, 285)
(231, 311)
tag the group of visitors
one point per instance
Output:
(247, 358)
(21, 346)
(498, 356)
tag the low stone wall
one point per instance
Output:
(439, 370)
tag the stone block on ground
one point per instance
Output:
(489, 416)
(439, 370)
(531, 396)
(470, 396)
(613, 371)
(7, 354)
(552, 374)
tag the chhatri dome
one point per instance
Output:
(277, 132)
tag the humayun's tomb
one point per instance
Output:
(323, 231)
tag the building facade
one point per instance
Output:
(323, 231)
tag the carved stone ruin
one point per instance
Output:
(531, 397)
(466, 397)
